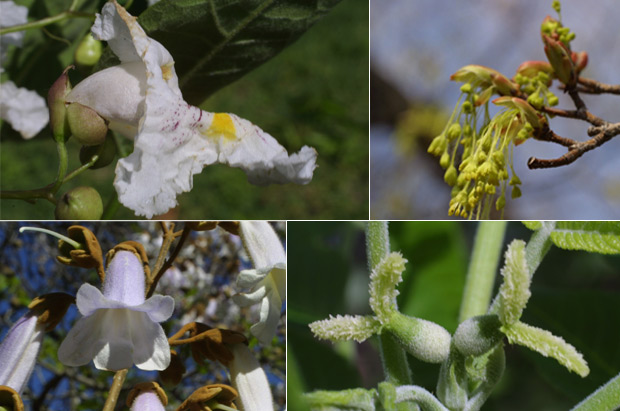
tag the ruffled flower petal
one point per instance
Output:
(117, 351)
(173, 140)
(266, 326)
(247, 299)
(250, 278)
(24, 109)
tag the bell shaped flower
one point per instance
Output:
(119, 327)
(249, 380)
(24, 109)
(173, 140)
(19, 351)
(267, 280)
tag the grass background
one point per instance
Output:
(313, 93)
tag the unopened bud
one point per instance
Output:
(451, 175)
(425, 340)
(106, 153)
(80, 203)
(56, 102)
(88, 53)
(87, 127)
(560, 59)
(477, 335)
(580, 59)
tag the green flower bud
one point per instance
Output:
(444, 161)
(515, 180)
(501, 202)
(478, 335)
(454, 131)
(467, 130)
(80, 203)
(56, 103)
(516, 192)
(106, 154)
(425, 340)
(438, 145)
(88, 53)
(451, 175)
(86, 125)
(552, 99)
(467, 107)
(466, 88)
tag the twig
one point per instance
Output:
(595, 87)
(161, 266)
(115, 390)
(606, 133)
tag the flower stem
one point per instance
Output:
(115, 390)
(606, 397)
(393, 356)
(482, 269)
(69, 14)
(539, 244)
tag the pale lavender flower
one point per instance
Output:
(119, 328)
(19, 351)
(249, 380)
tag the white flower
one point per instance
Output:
(173, 140)
(19, 351)
(119, 327)
(267, 280)
(249, 380)
(25, 110)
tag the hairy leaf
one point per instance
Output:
(532, 225)
(594, 236)
(216, 42)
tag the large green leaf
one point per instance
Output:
(594, 236)
(216, 42)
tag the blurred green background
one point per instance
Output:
(575, 295)
(313, 93)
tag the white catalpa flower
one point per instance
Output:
(173, 140)
(267, 280)
(119, 327)
(25, 110)
(249, 380)
(19, 351)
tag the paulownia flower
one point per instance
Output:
(249, 380)
(147, 396)
(267, 280)
(173, 140)
(24, 109)
(119, 328)
(19, 351)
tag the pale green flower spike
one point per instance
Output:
(383, 281)
(513, 296)
(515, 290)
(348, 327)
(548, 345)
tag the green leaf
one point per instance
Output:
(593, 236)
(216, 42)
(532, 225)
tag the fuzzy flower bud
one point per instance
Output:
(425, 340)
(56, 101)
(80, 203)
(87, 127)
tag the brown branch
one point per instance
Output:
(595, 87)
(161, 267)
(115, 390)
(577, 150)
(549, 135)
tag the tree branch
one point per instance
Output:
(595, 87)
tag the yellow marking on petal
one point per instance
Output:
(166, 72)
(221, 126)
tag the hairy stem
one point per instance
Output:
(537, 247)
(393, 356)
(115, 390)
(482, 269)
(606, 397)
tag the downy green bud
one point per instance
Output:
(477, 335)
(80, 203)
(56, 102)
(86, 125)
(425, 340)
